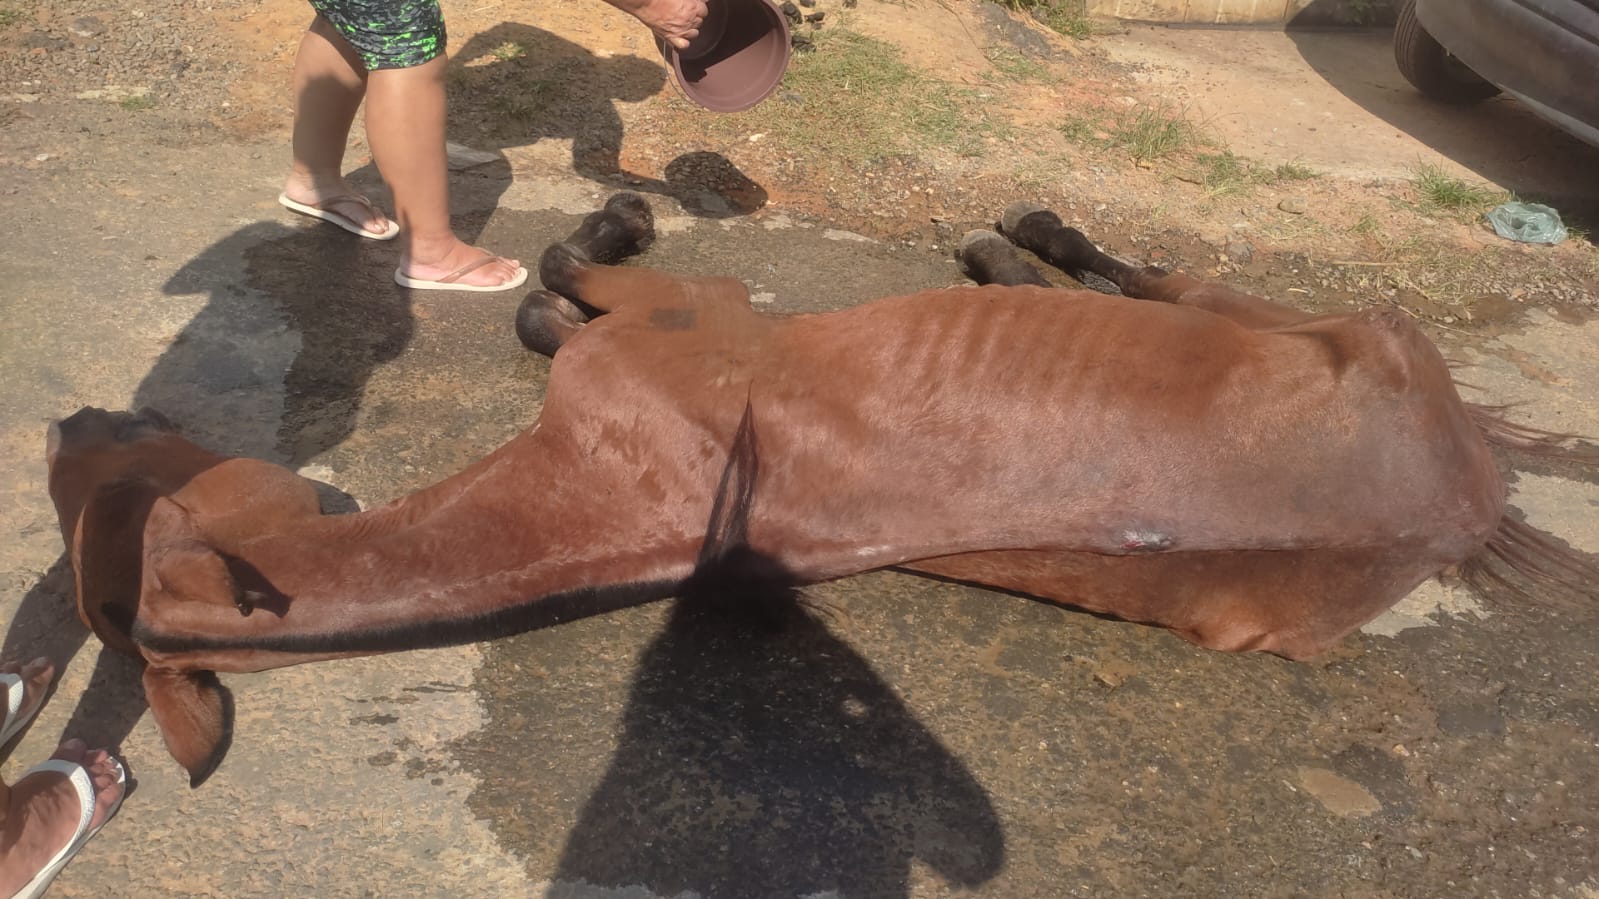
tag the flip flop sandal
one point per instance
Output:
(449, 282)
(321, 211)
(16, 717)
(83, 783)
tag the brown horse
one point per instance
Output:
(1247, 475)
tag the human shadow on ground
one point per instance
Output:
(760, 755)
(1500, 139)
(514, 85)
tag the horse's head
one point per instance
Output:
(117, 480)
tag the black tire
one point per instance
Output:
(1433, 70)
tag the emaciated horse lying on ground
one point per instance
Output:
(1247, 475)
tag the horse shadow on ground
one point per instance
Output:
(276, 363)
(757, 755)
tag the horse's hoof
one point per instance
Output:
(1011, 219)
(546, 320)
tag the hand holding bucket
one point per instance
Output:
(737, 60)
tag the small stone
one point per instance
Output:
(1240, 251)
(1339, 795)
(791, 11)
(816, 16)
(87, 26)
(1294, 205)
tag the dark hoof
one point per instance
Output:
(560, 267)
(636, 220)
(1015, 212)
(546, 320)
(988, 258)
(625, 227)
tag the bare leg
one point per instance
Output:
(988, 258)
(1041, 231)
(329, 82)
(405, 124)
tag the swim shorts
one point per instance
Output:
(388, 34)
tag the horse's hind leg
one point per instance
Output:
(1037, 229)
(988, 258)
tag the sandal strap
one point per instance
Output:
(469, 268)
(14, 695)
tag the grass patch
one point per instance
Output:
(859, 102)
(508, 51)
(1224, 174)
(524, 105)
(1015, 66)
(1155, 132)
(1081, 129)
(9, 16)
(1068, 18)
(1438, 192)
(1366, 227)
(137, 102)
(1067, 21)
(1294, 171)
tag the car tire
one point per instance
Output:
(1430, 68)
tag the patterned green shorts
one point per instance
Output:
(389, 34)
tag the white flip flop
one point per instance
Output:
(83, 783)
(16, 717)
(328, 215)
(452, 280)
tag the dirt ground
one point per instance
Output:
(886, 736)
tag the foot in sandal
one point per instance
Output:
(51, 812)
(23, 689)
(462, 267)
(338, 203)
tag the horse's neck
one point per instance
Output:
(458, 561)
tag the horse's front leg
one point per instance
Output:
(579, 268)
(623, 228)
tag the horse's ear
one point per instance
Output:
(180, 564)
(107, 558)
(195, 714)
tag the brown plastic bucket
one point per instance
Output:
(737, 60)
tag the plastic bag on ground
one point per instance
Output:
(1527, 223)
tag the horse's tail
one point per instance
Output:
(1519, 557)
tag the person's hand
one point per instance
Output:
(676, 21)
